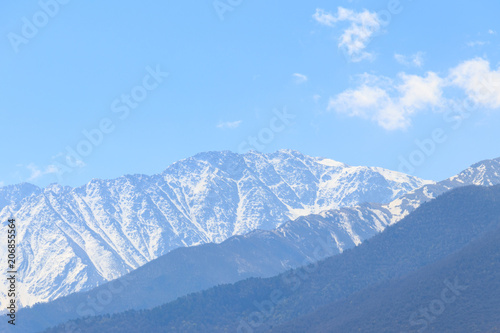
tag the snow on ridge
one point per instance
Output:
(105, 228)
(332, 163)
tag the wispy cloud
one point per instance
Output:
(2, 183)
(479, 81)
(492, 32)
(355, 38)
(392, 103)
(325, 18)
(300, 78)
(36, 172)
(416, 60)
(229, 124)
(477, 43)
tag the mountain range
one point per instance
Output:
(260, 253)
(75, 239)
(437, 269)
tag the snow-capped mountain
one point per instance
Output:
(349, 226)
(259, 253)
(73, 239)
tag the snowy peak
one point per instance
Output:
(106, 228)
(485, 173)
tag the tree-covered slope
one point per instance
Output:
(459, 294)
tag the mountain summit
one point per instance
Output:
(73, 239)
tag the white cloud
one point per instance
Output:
(229, 124)
(477, 43)
(480, 83)
(316, 98)
(393, 103)
(419, 92)
(36, 172)
(416, 59)
(390, 104)
(300, 78)
(492, 32)
(355, 38)
(2, 183)
(324, 18)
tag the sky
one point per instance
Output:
(102, 89)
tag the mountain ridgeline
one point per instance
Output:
(102, 230)
(460, 293)
(449, 242)
(260, 253)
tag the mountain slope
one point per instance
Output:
(431, 233)
(460, 293)
(106, 228)
(259, 253)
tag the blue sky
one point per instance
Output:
(406, 85)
